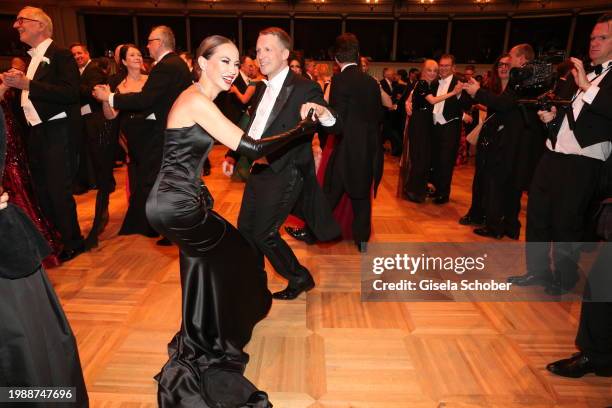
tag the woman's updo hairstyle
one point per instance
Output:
(206, 49)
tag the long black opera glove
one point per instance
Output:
(255, 149)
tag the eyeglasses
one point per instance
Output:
(20, 20)
(503, 65)
(150, 40)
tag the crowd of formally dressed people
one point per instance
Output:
(68, 118)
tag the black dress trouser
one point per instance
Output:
(559, 197)
(595, 330)
(267, 200)
(445, 145)
(51, 166)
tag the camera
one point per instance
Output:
(535, 83)
(533, 79)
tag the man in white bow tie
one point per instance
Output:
(50, 101)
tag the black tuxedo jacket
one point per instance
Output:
(92, 75)
(595, 120)
(453, 107)
(313, 205)
(168, 78)
(296, 90)
(358, 157)
(518, 135)
(55, 86)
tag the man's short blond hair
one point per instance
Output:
(40, 15)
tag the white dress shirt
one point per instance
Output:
(443, 85)
(38, 54)
(273, 88)
(81, 69)
(566, 140)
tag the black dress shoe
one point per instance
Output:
(513, 234)
(440, 200)
(430, 192)
(68, 254)
(556, 288)
(362, 246)
(488, 232)
(302, 234)
(259, 399)
(468, 219)
(415, 198)
(577, 366)
(290, 293)
(528, 280)
(164, 242)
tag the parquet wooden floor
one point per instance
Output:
(326, 349)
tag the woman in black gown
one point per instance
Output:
(416, 158)
(137, 129)
(224, 290)
(37, 347)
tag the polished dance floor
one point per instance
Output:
(327, 348)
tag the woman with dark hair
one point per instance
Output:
(486, 138)
(416, 157)
(296, 64)
(224, 288)
(137, 129)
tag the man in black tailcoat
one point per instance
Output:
(564, 184)
(277, 181)
(448, 116)
(50, 100)
(355, 166)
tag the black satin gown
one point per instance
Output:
(224, 291)
(143, 167)
(416, 158)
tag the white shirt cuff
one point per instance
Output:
(590, 94)
(111, 100)
(328, 120)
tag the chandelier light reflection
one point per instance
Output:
(482, 4)
(426, 4)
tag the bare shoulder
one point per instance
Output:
(188, 107)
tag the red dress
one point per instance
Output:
(17, 181)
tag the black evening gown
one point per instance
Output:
(37, 347)
(224, 291)
(416, 158)
(142, 170)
